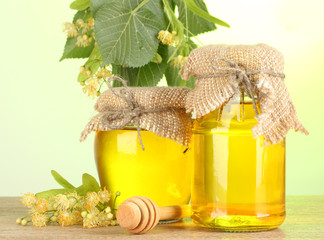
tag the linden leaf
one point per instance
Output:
(147, 75)
(95, 5)
(81, 190)
(133, 27)
(93, 63)
(70, 49)
(80, 4)
(60, 180)
(49, 193)
(198, 10)
(73, 51)
(174, 79)
(90, 183)
(172, 75)
(195, 24)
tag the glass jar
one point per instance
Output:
(161, 172)
(238, 183)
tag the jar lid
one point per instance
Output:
(221, 71)
(160, 110)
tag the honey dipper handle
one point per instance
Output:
(175, 212)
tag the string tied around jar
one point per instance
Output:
(239, 78)
(129, 114)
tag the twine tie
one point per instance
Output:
(129, 114)
(239, 77)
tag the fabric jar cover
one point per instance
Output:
(220, 70)
(160, 110)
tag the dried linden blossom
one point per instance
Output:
(167, 38)
(171, 39)
(91, 87)
(69, 209)
(93, 82)
(178, 61)
(82, 30)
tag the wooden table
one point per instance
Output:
(305, 220)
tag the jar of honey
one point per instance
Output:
(242, 113)
(238, 183)
(142, 142)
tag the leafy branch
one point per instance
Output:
(129, 39)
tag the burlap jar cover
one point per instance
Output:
(221, 71)
(160, 110)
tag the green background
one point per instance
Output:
(43, 109)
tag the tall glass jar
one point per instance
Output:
(238, 183)
(161, 172)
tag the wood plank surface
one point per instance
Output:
(305, 220)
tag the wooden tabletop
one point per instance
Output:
(305, 220)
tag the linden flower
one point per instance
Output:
(179, 61)
(92, 199)
(29, 199)
(90, 23)
(76, 216)
(62, 201)
(70, 29)
(74, 199)
(80, 23)
(104, 195)
(39, 219)
(92, 219)
(92, 87)
(103, 73)
(65, 218)
(85, 71)
(83, 41)
(42, 205)
(105, 219)
(166, 37)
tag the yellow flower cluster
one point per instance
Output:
(68, 209)
(83, 41)
(82, 30)
(93, 82)
(70, 30)
(29, 199)
(178, 61)
(92, 87)
(167, 38)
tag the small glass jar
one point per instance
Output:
(238, 183)
(161, 172)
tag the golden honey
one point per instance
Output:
(161, 172)
(238, 183)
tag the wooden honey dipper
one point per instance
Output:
(141, 214)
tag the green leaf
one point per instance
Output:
(194, 23)
(133, 27)
(148, 75)
(70, 49)
(60, 180)
(93, 63)
(173, 77)
(95, 5)
(82, 191)
(49, 193)
(176, 24)
(85, 15)
(80, 4)
(90, 183)
(191, 4)
(73, 51)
